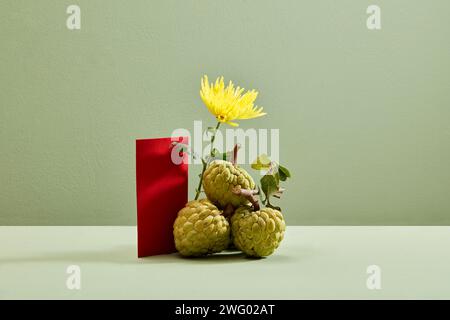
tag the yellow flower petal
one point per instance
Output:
(229, 103)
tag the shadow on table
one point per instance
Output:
(127, 255)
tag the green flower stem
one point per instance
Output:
(199, 188)
(214, 138)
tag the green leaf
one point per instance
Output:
(261, 163)
(269, 185)
(215, 152)
(277, 176)
(224, 156)
(261, 194)
(283, 172)
(211, 130)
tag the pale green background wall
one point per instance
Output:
(364, 115)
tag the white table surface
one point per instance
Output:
(311, 263)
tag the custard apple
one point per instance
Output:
(200, 229)
(257, 233)
(219, 179)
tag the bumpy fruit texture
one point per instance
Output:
(200, 229)
(220, 178)
(257, 233)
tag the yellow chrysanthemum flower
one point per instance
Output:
(228, 103)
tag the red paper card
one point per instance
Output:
(162, 188)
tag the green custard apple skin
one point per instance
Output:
(257, 233)
(219, 179)
(201, 229)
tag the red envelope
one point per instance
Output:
(162, 190)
